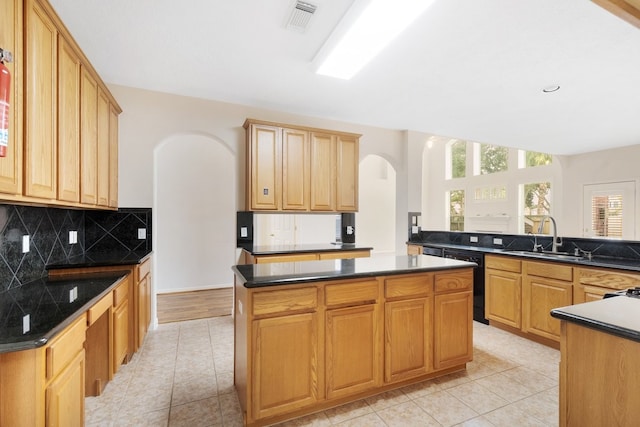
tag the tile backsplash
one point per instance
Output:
(49, 240)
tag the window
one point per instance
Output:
(493, 158)
(456, 210)
(606, 215)
(457, 159)
(487, 194)
(530, 159)
(536, 204)
(609, 210)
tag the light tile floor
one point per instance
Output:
(183, 376)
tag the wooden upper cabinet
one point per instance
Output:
(323, 171)
(113, 156)
(89, 138)
(294, 169)
(103, 148)
(263, 167)
(40, 166)
(62, 117)
(11, 28)
(629, 10)
(347, 174)
(68, 123)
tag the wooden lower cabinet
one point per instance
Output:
(598, 378)
(285, 364)
(120, 335)
(65, 396)
(352, 350)
(540, 296)
(144, 309)
(306, 347)
(503, 290)
(453, 337)
(408, 338)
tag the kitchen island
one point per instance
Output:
(317, 334)
(599, 373)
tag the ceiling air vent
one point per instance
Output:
(301, 15)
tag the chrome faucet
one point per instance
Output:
(556, 242)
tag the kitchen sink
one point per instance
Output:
(554, 255)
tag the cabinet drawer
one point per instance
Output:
(549, 270)
(458, 281)
(503, 263)
(65, 346)
(408, 286)
(607, 278)
(121, 292)
(284, 301)
(351, 293)
(142, 269)
(344, 254)
(99, 308)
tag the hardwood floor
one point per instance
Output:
(180, 306)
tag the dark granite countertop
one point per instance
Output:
(259, 275)
(47, 302)
(617, 316)
(288, 249)
(596, 261)
(90, 259)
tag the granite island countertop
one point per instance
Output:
(618, 316)
(52, 304)
(259, 275)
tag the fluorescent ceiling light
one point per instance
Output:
(363, 32)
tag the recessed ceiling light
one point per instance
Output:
(365, 30)
(551, 88)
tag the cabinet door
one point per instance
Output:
(503, 296)
(352, 350)
(41, 98)
(540, 296)
(89, 138)
(453, 329)
(295, 169)
(408, 339)
(68, 123)
(285, 364)
(323, 172)
(347, 170)
(103, 149)
(65, 396)
(11, 30)
(120, 334)
(264, 167)
(144, 308)
(113, 157)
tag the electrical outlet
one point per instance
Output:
(142, 233)
(73, 237)
(497, 241)
(25, 243)
(473, 239)
(244, 232)
(73, 294)
(26, 323)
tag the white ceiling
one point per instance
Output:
(469, 69)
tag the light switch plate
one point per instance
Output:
(26, 323)
(497, 241)
(142, 233)
(244, 232)
(473, 239)
(25, 243)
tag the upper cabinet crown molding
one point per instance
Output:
(300, 169)
(629, 10)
